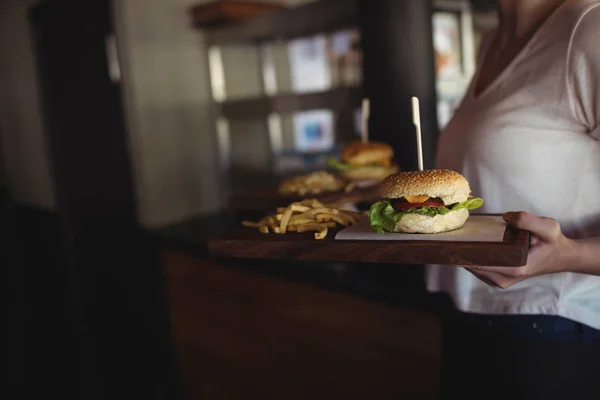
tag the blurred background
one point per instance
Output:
(125, 129)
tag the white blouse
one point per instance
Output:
(531, 142)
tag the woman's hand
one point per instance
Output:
(550, 252)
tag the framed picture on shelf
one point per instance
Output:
(345, 58)
(309, 65)
(313, 131)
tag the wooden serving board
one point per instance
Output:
(270, 199)
(248, 243)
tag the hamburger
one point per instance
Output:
(431, 201)
(365, 161)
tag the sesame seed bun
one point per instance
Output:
(448, 185)
(358, 153)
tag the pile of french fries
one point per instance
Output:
(308, 215)
(313, 183)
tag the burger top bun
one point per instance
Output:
(450, 186)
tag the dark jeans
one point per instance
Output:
(519, 357)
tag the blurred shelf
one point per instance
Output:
(221, 12)
(473, 5)
(306, 20)
(484, 5)
(339, 99)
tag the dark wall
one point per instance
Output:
(108, 271)
(41, 331)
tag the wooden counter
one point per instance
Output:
(241, 333)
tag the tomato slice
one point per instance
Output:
(405, 206)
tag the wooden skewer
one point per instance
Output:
(417, 121)
(366, 111)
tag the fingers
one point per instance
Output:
(504, 277)
(546, 229)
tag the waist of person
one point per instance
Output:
(532, 327)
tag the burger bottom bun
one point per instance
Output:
(369, 173)
(417, 223)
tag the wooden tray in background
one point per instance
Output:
(248, 243)
(269, 199)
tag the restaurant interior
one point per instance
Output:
(136, 135)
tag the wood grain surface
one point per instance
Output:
(242, 335)
(251, 244)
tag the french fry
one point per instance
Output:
(299, 208)
(353, 217)
(323, 217)
(310, 228)
(272, 220)
(308, 215)
(315, 227)
(286, 218)
(301, 221)
(321, 234)
(350, 187)
(251, 224)
(341, 220)
(316, 204)
(313, 183)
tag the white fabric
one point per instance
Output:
(531, 142)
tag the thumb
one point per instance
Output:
(547, 229)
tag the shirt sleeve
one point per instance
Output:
(584, 70)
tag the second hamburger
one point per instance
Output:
(431, 201)
(365, 161)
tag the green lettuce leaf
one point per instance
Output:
(431, 211)
(470, 204)
(342, 166)
(339, 165)
(383, 216)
